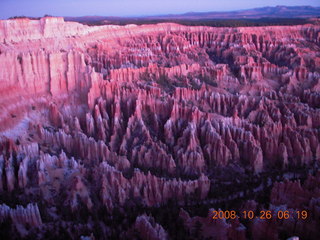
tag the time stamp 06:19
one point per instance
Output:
(263, 214)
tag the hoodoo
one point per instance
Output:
(103, 126)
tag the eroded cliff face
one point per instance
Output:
(96, 119)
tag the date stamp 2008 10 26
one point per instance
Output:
(263, 214)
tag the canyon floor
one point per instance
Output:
(142, 132)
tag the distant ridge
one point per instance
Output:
(264, 12)
(255, 13)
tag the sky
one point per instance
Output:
(38, 8)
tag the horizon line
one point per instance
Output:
(162, 14)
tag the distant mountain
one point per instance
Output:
(255, 13)
(265, 12)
